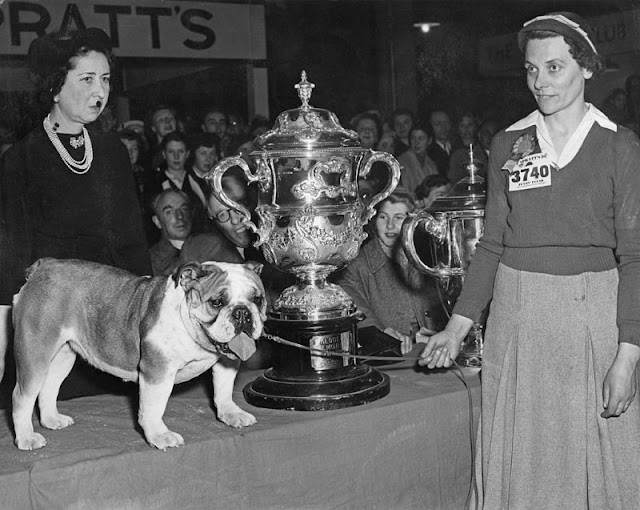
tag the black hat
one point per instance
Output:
(52, 51)
(567, 24)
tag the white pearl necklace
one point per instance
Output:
(77, 167)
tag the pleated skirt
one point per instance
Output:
(542, 443)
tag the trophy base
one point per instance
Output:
(360, 385)
(301, 380)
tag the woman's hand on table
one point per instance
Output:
(442, 348)
(619, 387)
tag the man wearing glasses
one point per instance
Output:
(172, 214)
(229, 221)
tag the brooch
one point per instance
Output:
(522, 147)
(76, 141)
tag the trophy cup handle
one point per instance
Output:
(214, 179)
(432, 227)
(394, 170)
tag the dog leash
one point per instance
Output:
(473, 486)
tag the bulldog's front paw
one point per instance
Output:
(31, 441)
(56, 421)
(235, 417)
(166, 440)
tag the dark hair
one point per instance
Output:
(259, 121)
(201, 140)
(430, 182)
(204, 140)
(584, 56)
(421, 127)
(52, 56)
(131, 135)
(402, 111)
(236, 141)
(438, 110)
(174, 136)
(368, 116)
(148, 122)
(215, 109)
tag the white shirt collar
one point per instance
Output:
(575, 141)
(176, 243)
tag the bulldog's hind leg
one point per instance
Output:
(153, 402)
(224, 375)
(59, 369)
(24, 398)
(39, 378)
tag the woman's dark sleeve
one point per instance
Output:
(16, 231)
(129, 248)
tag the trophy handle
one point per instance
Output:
(433, 227)
(394, 169)
(214, 178)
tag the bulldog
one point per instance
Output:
(154, 331)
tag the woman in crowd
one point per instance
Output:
(65, 191)
(416, 164)
(393, 295)
(368, 128)
(560, 260)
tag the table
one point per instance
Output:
(410, 449)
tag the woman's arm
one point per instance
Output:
(16, 232)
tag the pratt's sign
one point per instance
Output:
(142, 28)
(612, 34)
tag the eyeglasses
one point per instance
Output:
(224, 215)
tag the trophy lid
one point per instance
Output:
(469, 193)
(306, 127)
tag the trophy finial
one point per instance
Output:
(304, 90)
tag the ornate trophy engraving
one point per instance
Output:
(310, 222)
(453, 224)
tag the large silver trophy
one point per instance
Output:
(440, 241)
(310, 219)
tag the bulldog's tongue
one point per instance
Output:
(242, 346)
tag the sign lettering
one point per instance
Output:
(144, 28)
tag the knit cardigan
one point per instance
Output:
(588, 219)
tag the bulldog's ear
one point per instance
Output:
(256, 267)
(186, 273)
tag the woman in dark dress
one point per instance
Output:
(65, 191)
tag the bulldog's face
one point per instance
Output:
(226, 305)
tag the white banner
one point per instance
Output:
(143, 28)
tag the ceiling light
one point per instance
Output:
(426, 26)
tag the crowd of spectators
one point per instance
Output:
(184, 220)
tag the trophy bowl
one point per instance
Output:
(310, 221)
(441, 240)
